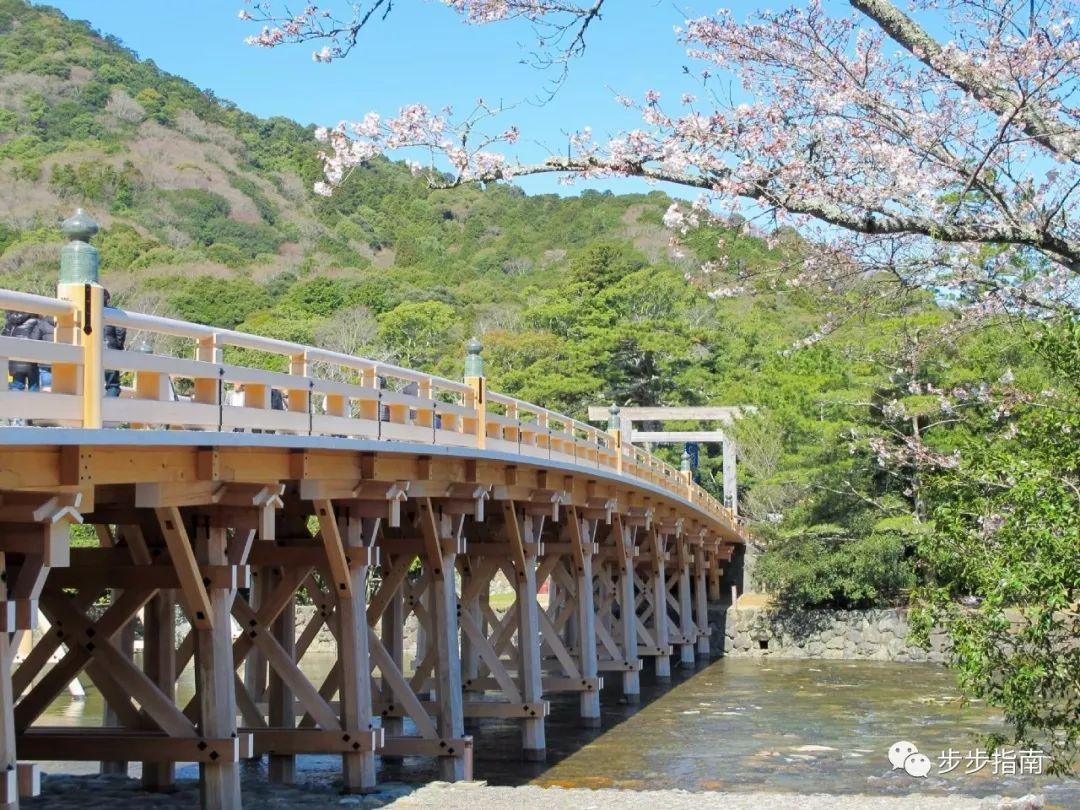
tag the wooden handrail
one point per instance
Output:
(37, 304)
(317, 406)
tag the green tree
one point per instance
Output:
(1007, 537)
(419, 332)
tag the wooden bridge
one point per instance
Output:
(375, 493)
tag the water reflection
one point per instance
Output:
(737, 724)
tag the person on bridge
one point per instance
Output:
(25, 376)
(48, 327)
(114, 339)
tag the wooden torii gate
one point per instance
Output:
(624, 419)
(670, 609)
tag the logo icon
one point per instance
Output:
(905, 755)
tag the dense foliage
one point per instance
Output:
(1007, 536)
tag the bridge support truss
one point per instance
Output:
(228, 542)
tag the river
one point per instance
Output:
(736, 724)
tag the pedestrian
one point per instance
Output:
(384, 410)
(413, 390)
(25, 376)
(114, 339)
(48, 330)
(235, 399)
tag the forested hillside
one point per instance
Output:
(207, 214)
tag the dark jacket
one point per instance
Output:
(115, 337)
(48, 334)
(27, 326)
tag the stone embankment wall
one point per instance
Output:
(875, 635)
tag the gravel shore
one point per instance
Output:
(476, 795)
(99, 792)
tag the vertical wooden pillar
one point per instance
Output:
(393, 639)
(219, 782)
(421, 630)
(606, 591)
(701, 602)
(628, 613)
(450, 715)
(715, 572)
(572, 632)
(484, 600)
(89, 300)
(126, 644)
(159, 664)
(586, 623)
(470, 656)
(534, 745)
(686, 609)
(281, 768)
(256, 675)
(660, 606)
(9, 797)
(358, 768)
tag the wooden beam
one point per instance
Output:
(293, 741)
(192, 590)
(148, 576)
(677, 436)
(720, 413)
(65, 743)
(335, 548)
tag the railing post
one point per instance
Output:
(299, 399)
(78, 284)
(614, 428)
(474, 378)
(208, 389)
(688, 474)
(731, 498)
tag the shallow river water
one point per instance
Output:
(733, 725)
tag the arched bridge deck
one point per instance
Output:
(374, 492)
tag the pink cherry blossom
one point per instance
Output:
(936, 145)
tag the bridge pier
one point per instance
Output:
(9, 787)
(219, 781)
(701, 602)
(159, 664)
(392, 624)
(686, 616)
(360, 534)
(656, 573)
(580, 534)
(524, 536)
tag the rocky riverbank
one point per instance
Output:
(101, 792)
(873, 635)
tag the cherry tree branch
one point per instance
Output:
(1066, 251)
(1058, 137)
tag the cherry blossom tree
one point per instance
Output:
(939, 148)
(936, 146)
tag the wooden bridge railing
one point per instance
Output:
(323, 393)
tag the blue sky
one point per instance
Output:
(421, 53)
